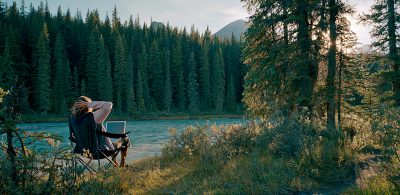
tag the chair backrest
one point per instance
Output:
(83, 132)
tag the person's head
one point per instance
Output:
(76, 110)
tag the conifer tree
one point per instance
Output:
(176, 69)
(181, 95)
(192, 86)
(128, 91)
(230, 95)
(120, 67)
(218, 81)
(83, 87)
(11, 60)
(62, 76)
(384, 17)
(143, 60)
(155, 75)
(43, 72)
(139, 93)
(167, 102)
(204, 77)
(106, 89)
(93, 65)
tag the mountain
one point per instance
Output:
(237, 27)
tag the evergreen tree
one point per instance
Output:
(218, 81)
(139, 93)
(155, 75)
(83, 87)
(204, 77)
(330, 79)
(105, 81)
(120, 68)
(62, 77)
(11, 60)
(385, 21)
(143, 60)
(192, 94)
(181, 95)
(93, 65)
(176, 69)
(129, 93)
(43, 72)
(230, 95)
(167, 102)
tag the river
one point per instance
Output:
(147, 137)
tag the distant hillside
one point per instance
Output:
(237, 27)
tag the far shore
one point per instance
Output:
(37, 118)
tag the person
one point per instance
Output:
(100, 111)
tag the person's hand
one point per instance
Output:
(82, 105)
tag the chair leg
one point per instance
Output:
(87, 166)
(110, 160)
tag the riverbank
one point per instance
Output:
(37, 118)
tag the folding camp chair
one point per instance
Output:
(89, 140)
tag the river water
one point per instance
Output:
(147, 137)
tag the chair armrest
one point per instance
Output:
(111, 135)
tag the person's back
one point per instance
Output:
(99, 111)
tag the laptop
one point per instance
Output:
(116, 127)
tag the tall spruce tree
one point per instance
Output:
(155, 75)
(230, 101)
(93, 65)
(167, 101)
(105, 81)
(62, 77)
(192, 86)
(120, 68)
(43, 72)
(204, 76)
(218, 82)
(11, 60)
(385, 20)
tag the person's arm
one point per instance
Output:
(101, 110)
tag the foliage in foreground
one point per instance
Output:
(235, 159)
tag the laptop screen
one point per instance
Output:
(116, 127)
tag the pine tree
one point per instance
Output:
(105, 82)
(93, 65)
(143, 60)
(12, 60)
(120, 67)
(230, 95)
(192, 94)
(139, 93)
(155, 75)
(62, 76)
(176, 69)
(204, 77)
(330, 79)
(43, 72)
(218, 81)
(129, 93)
(385, 21)
(167, 102)
(83, 87)
(181, 95)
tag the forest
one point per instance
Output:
(322, 117)
(142, 68)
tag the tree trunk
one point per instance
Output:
(330, 79)
(305, 64)
(393, 50)
(339, 102)
(11, 154)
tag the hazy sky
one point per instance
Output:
(180, 13)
